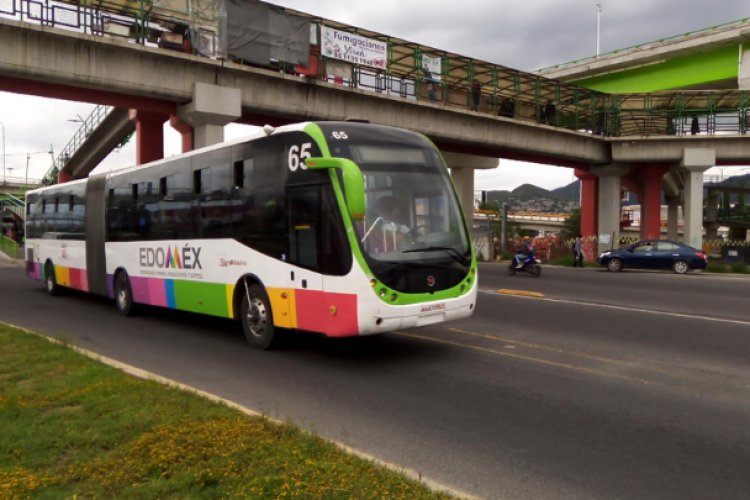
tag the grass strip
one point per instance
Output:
(71, 427)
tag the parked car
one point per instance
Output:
(655, 254)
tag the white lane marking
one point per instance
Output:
(624, 308)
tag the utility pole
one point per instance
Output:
(598, 25)
(504, 230)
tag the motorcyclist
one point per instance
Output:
(522, 252)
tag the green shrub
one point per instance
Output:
(740, 268)
(717, 267)
(564, 260)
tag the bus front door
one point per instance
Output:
(303, 224)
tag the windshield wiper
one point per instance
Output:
(452, 251)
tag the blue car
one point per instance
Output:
(655, 254)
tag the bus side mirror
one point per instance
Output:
(354, 182)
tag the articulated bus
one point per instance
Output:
(339, 228)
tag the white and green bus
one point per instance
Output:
(339, 228)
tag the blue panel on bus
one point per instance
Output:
(169, 289)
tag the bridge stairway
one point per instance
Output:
(104, 130)
(13, 205)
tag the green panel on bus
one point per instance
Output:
(206, 298)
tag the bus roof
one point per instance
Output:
(264, 131)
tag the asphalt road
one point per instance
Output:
(628, 385)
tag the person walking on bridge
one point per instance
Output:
(476, 94)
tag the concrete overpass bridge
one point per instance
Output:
(199, 95)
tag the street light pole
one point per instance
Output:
(598, 23)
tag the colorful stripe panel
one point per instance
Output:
(71, 277)
(205, 298)
(333, 314)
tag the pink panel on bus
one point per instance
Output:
(314, 312)
(148, 291)
(156, 292)
(34, 270)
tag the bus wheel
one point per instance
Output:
(49, 279)
(123, 294)
(256, 317)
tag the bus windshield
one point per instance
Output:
(412, 218)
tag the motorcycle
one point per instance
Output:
(530, 264)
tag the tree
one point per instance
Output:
(489, 205)
(572, 226)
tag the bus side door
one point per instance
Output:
(304, 226)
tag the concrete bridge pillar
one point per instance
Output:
(463, 181)
(149, 135)
(212, 107)
(695, 161)
(743, 78)
(186, 133)
(609, 204)
(589, 202)
(63, 176)
(673, 214)
(462, 172)
(712, 214)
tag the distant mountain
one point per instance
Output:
(498, 197)
(526, 192)
(737, 181)
(570, 192)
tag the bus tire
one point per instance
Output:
(124, 294)
(49, 279)
(256, 317)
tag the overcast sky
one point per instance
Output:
(523, 35)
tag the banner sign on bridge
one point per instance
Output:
(354, 48)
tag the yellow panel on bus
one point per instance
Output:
(62, 276)
(283, 307)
